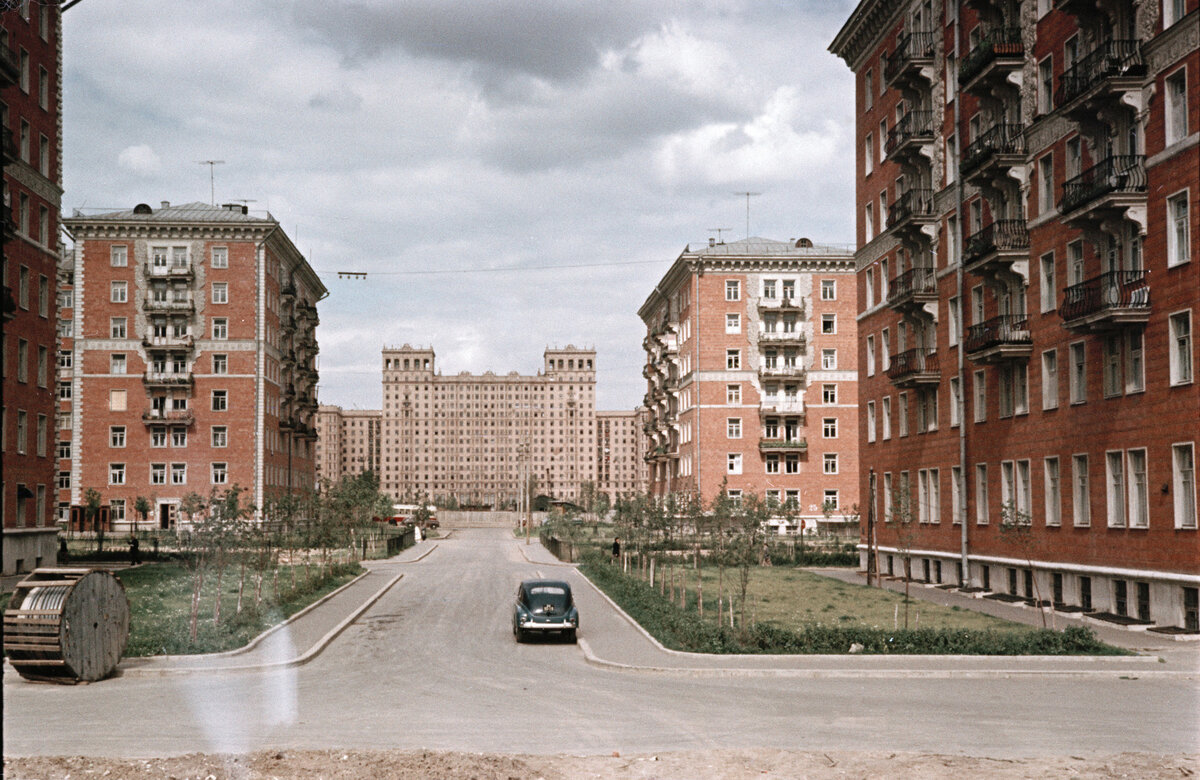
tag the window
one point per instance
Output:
(1014, 389)
(733, 428)
(116, 327)
(870, 285)
(791, 465)
(220, 292)
(950, 152)
(1045, 190)
(220, 436)
(1078, 383)
(868, 155)
(1139, 490)
(830, 501)
(220, 364)
(870, 421)
(981, 494)
(1178, 248)
(1115, 473)
(829, 359)
(871, 355)
(220, 328)
(42, 359)
(979, 384)
(1048, 293)
(116, 436)
(902, 414)
(118, 256)
(1024, 494)
(64, 480)
(733, 323)
(869, 221)
(220, 473)
(828, 324)
(956, 495)
(733, 359)
(1080, 500)
(954, 310)
(829, 394)
(116, 473)
(116, 400)
(869, 89)
(158, 473)
(1045, 96)
(1183, 475)
(220, 400)
(772, 464)
(830, 463)
(1050, 379)
(158, 436)
(179, 437)
(1180, 326)
(220, 257)
(733, 394)
(828, 289)
(733, 463)
(1135, 380)
(117, 364)
(789, 289)
(1176, 107)
(769, 289)
(733, 290)
(118, 292)
(887, 497)
(64, 450)
(178, 473)
(43, 296)
(955, 402)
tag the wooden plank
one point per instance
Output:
(18, 662)
(13, 647)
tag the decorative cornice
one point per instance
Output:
(1173, 44)
(29, 178)
(82, 229)
(869, 22)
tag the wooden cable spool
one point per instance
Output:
(67, 625)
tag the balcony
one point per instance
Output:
(994, 60)
(168, 305)
(794, 444)
(785, 338)
(914, 367)
(1114, 68)
(168, 378)
(287, 291)
(783, 409)
(10, 66)
(999, 339)
(913, 209)
(167, 342)
(911, 59)
(911, 136)
(1000, 246)
(184, 271)
(154, 416)
(1107, 301)
(789, 304)
(913, 288)
(1116, 183)
(781, 372)
(995, 153)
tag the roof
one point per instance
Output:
(185, 212)
(756, 246)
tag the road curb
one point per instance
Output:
(529, 560)
(591, 658)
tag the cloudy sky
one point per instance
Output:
(511, 174)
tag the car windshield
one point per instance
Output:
(548, 598)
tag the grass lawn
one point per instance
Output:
(160, 602)
(791, 598)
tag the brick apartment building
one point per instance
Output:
(186, 360)
(1029, 267)
(348, 442)
(476, 437)
(621, 468)
(30, 139)
(751, 367)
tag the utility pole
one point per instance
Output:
(212, 180)
(748, 196)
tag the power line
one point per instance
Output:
(501, 269)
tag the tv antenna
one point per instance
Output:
(212, 181)
(719, 231)
(748, 196)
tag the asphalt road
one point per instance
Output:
(433, 665)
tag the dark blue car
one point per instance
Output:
(545, 607)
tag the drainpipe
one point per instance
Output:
(964, 550)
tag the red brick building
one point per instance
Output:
(1028, 177)
(188, 359)
(30, 136)
(751, 370)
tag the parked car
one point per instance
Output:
(545, 607)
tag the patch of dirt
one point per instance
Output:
(691, 765)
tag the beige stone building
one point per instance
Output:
(621, 467)
(348, 442)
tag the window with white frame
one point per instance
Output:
(1050, 379)
(1135, 368)
(954, 309)
(830, 463)
(1139, 488)
(733, 323)
(871, 355)
(1045, 95)
(1183, 477)
(870, 421)
(178, 473)
(902, 414)
(179, 437)
(981, 494)
(789, 289)
(733, 359)
(829, 394)
(1178, 230)
(220, 363)
(772, 464)
(733, 290)
(1048, 294)
(886, 497)
(117, 327)
(1176, 118)
(828, 289)
(220, 292)
(1024, 493)
(868, 155)
(733, 394)
(769, 289)
(1045, 190)
(828, 324)
(886, 412)
(1078, 379)
(829, 500)
(979, 386)
(829, 428)
(829, 359)
(1173, 11)
(220, 436)
(1075, 263)
(955, 402)
(220, 328)
(1180, 328)
(733, 428)
(116, 436)
(116, 473)
(1008, 488)
(220, 257)
(158, 473)
(791, 464)
(1115, 476)
(220, 473)
(884, 281)
(118, 256)
(956, 495)
(117, 363)
(118, 292)
(1081, 503)
(869, 221)
(733, 463)
(220, 400)
(869, 276)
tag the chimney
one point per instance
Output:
(166, 204)
(712, 241)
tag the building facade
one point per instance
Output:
(30, 140)
(187, 363)
(1028, 273)
(621, 467)
(751, 368)
(473, 439)
(349, 442)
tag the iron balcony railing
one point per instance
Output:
(914, 281)
(914, 125)
(1108, 291)
(914, 203)
(1006, 329)
(1001, 138)
(919, 360)
(1003, 234)
(1119, 173)
(150, 303)
(910, 47)
(168, 416)
(1111, 58)
(999, 42)
(799, 443)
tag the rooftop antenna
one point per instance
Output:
(212, 181)
(748, 196)
(719, 231)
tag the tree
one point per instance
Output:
(905, 527)
(750, 513)
(91, 513)
(143, 507)
(1016, 529)
(191, 505)
(223, 530)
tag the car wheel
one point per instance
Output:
(571, 636)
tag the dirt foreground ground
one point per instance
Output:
(692, 765)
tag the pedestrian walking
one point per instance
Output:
(616, 549)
